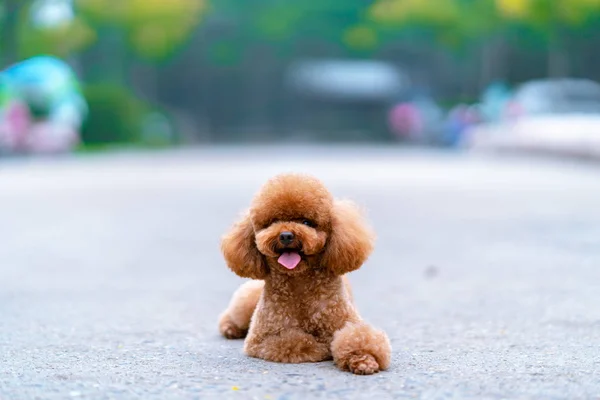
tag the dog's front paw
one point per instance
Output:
(363, 364)
(361, 349)
(230, 330)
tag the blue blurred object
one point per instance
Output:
(41, 106)
(494, 100)
(48, 83)
(460, 118)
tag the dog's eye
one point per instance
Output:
(308, 222)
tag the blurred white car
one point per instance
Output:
(554, 116)
(555, 96)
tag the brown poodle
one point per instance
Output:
(296, 242)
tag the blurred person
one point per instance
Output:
(42, 108)
(431, 113)
(14, 118)
(460, 118)
(405, 121)
(416, 117)
(494, 100)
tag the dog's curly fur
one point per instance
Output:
(305, 314)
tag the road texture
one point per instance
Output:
(486, 276)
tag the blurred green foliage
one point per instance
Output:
(546, 13)
(62, 41)
(286, 26)
(153, 29)
(460, 21)
(115, 115)
(363, 28)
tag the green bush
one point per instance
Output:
(115, 115)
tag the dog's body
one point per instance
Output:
(296, 242)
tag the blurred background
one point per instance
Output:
(133, 132)
(81, 75)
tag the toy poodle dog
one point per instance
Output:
(296, 242)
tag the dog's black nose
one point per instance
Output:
(286, 237)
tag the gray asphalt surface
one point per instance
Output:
(486, 276)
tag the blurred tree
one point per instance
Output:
(9, 9)
(287, 26)
(488, 24)
(153, 29)
(136, 35)
(452, 23)
(458, 25)
(115, 115)
(28, 28)
(553, 19)
(51, 27)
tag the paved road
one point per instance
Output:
(486, 276)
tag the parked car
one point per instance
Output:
(550, 116)
(555, 96)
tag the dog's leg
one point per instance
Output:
(235, 320)
(290, 346)
(361, 349)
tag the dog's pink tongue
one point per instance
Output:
(289, 260)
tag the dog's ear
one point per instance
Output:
(240, 252)
(351, 240)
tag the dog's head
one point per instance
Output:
(293, 225)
